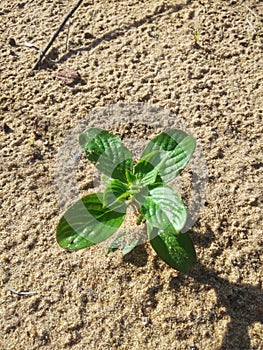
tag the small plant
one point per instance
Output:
(197, 34)
(96, 217)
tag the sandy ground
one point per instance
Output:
(132, 52)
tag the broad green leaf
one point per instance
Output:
(88, 222)
(145, 170)
(116, 191)
(162, 207)
(107, 152)
(165, 156)
(176, 250)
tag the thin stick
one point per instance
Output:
(251, 25)
(66, 48)
(19, 293)
(43, 53)
(253, 13)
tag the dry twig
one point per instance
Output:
(43, 53)
(19, 293)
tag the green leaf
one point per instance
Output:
(107, 152)
(176, 250)
(116, 191)
(165, 156)
(163, 207)
(88, 222)
(145, 171)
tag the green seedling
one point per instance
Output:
(197, 34)
(96, 217)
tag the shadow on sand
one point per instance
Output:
(243, 303)
(114, 34)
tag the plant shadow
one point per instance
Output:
(115, 33)
(138, 256)
(242, 302)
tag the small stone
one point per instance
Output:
(146, 321)
(193, 347)
(67, 76)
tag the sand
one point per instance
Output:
(131, 54)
